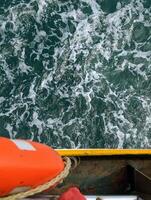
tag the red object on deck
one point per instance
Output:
(72, 194)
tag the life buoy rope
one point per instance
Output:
(45, 186)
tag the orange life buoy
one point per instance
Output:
(26, 164)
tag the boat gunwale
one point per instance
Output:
(103, 152)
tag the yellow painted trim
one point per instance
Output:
(102, 152)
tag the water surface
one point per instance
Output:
(76, 73)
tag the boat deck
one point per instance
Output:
(107, 175)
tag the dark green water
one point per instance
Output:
(76, 74)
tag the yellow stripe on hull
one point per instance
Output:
(102, 152)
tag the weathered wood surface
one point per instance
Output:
(107, 175)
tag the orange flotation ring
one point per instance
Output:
(26, 164)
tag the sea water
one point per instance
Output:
(76, 73)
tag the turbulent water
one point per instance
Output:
(76, 73)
